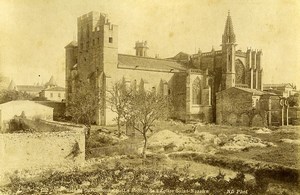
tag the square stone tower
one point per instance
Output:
(94, 55)
(97, 44)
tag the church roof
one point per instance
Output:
(253, 91)
(282, 85)
(72, 44)
(151, 64)
(12, 85)
(248, 90)
(51, 82)
(57, 88)
(29, 88)
(181, 56)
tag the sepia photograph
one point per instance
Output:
(150, 97)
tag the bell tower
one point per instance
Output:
(228, 55)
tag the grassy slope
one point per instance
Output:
(285, 153)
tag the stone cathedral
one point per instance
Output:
(192, 80)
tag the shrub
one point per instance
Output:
(18, 124)
(122, 179)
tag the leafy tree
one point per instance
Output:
(119, 101)
(294, 100)
(10, 95)
(84, 104)
(148, 107)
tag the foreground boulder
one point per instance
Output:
(166, 140)
(291, 141)
(242, 141)
(263, 131)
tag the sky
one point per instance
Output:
(33, 33)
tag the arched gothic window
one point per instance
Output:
(196, 87)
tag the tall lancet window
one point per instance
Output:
(196, 87)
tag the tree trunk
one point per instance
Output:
(88, 128)
(145, 145)
(126, 130)
(119, 128)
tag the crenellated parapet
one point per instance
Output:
(97, 42)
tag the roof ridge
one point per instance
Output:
(250, 90)
(143, 57)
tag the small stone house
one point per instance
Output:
(53, 93)
(247, 107)
(284, 89)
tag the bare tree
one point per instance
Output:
(84, 104)
(119, 100)
(148, 107)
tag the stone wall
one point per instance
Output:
(59, 108)
(294, 115)
(54, 95)
(42, 149)
(234, 107)
(31, 110)
(180, 95)
(151, 81)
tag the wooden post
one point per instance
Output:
(287, 112)
(282, 111)
(269, 112)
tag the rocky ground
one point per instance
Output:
(204, 142)
(178, 155)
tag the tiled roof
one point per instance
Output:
(72, 44)
(146, 63)
(12, 85)
(253, 91)
(51, 81)
(57, 88)
(180, 56)
(277, 85)
(29, 88)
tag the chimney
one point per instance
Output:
(141, 48)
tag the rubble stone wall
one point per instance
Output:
(42, 149)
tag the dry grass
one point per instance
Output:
(285, 153)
